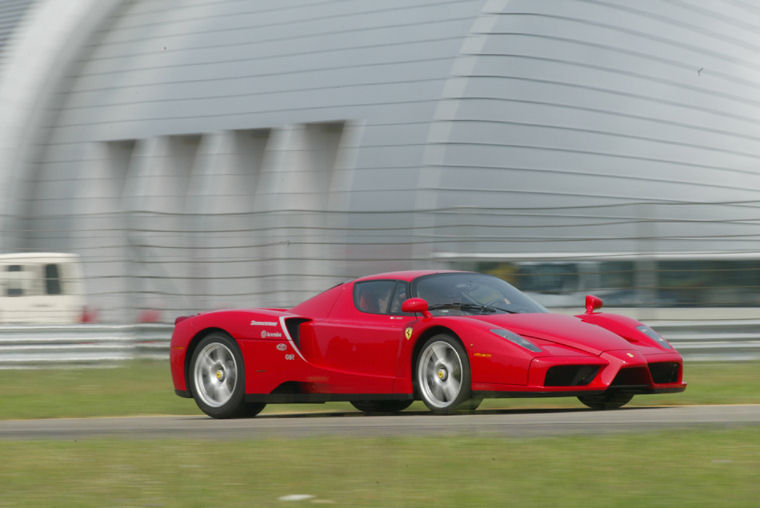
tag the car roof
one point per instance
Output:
(407, 275)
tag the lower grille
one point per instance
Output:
(570, 375)
(665, 372)
(632, 376)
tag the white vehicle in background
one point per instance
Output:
(41, 288)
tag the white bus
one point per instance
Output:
(41, 288)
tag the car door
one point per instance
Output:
(358, 346)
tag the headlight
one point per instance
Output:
(654, 336)
(516, 339)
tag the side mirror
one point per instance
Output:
(593, 303)
(416, 305)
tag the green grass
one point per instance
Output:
(131, 389)
(706, 467)
(685, 468)
(140, 388)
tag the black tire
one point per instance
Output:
(442, 374)
(217, 378)
(606, 400)
(381, 406)
(471, 405)
(253, 408)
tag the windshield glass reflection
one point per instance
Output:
(472, 293)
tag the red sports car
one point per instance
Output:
(447, 338)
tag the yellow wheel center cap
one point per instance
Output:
(219, 375)
(441, 374)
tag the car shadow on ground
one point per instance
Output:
(410, 413)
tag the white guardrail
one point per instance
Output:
(68, 345)
(720, 340)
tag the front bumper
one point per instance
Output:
(620, 370)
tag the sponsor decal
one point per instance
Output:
(630, 355)
(265, 334)
(281, 346)
(290, 357)
(408, 333)
(263, 323)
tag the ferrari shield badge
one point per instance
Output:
(408, 333)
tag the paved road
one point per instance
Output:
(515, 423)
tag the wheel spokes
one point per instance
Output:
(207, 364)
(450, 389)
(438, 392)
(440, 374)
(438, 352)
(215, 374)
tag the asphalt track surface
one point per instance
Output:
(506, 423)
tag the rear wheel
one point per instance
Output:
(606, 400)
(442, 374)
(381, 406)
(217, 378)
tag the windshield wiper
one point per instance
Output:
(489, 308)
(471, 307)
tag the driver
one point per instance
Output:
(373, 299)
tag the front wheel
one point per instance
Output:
(217, 378)
(442, 374)
(606, 400)
(472, 404)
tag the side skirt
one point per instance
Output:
(317, 398)
(531, 395)
(622, 388)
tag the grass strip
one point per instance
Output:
(684, 468)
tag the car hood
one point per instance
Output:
(560, 329)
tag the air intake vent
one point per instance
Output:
(666, 372)
(633, 376)
(293, 325)
(570, 375)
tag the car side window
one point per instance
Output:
(373, 296)
(400, 294)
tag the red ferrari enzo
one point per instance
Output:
(448, 338)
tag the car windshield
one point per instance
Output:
(472, 293)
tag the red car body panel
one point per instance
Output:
(327, 349)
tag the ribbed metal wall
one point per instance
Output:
(330, 102)
(206, 154)
(605, 126)
(11, 15)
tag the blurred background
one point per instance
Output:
(161, 158)
(174, 157)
